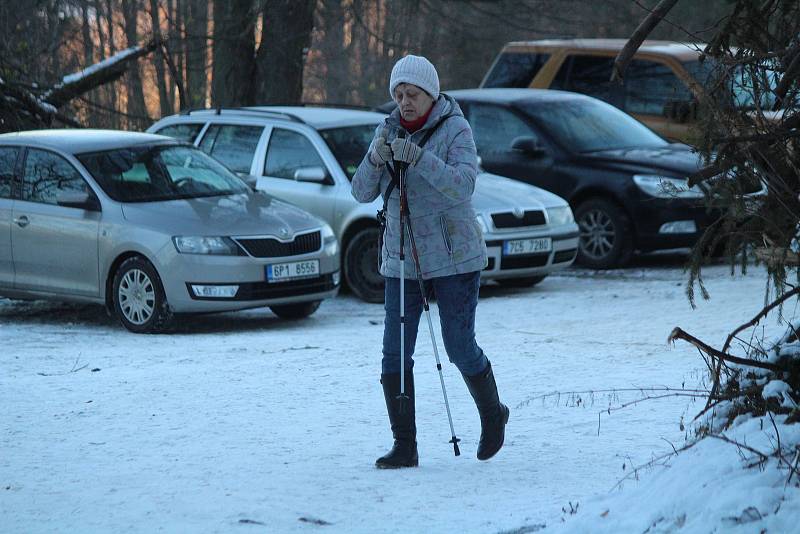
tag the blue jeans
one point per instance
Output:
(456, 298)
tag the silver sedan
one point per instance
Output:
(151, 227)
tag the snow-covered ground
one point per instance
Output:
(242, 422)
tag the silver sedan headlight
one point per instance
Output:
(222, 246)
(482, 224)
(329, 241)
(666, 187)
(560, 215)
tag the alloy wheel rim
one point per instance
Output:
(137, 297)
(597, 234)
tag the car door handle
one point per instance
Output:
(22, 221)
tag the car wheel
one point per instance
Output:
(361, 266)
(139, 300)
(605, 235)
(525, 281)
(295, 311)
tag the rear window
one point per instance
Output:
(182, 132)
(8, 159)
(233, 145)
(515, 69)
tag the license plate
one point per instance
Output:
(287, 271)
(527, 246)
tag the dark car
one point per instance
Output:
(627, 186)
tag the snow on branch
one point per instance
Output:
(19, 97)
(95, 75)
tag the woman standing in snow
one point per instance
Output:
(440, 180)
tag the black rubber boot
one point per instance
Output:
(494, 414)
(404, 428)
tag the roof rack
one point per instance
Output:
(335, 105)
(248, 110)
(357, 107)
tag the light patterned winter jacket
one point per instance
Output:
(440, 186)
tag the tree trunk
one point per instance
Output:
(136, 109)
(86, 31)
(164, 101)
(196, 52)
(337, 79)
(287, 26)
(174, 39)
(234, 43)
(180, 32)
(112, 49)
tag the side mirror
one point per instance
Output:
(315, 174)
(250, 180)
(77, 199)
(528, 145)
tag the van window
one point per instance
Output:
(588, 75)
(739, 87)
(182, 132)
(649, 85)
(48, 174)
(233, 145)
(289, 151)
(8, 159)
(514, 69)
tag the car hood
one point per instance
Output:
(675, 159)
(493, 191)
(232, 215)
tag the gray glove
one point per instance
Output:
(379, 152)
(406, 151)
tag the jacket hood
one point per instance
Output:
(675, 159)
(233, 215)
(444, 105)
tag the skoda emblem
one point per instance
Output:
(284, 232)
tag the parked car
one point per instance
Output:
(308, 155)
(627, 186)
(150, 227)
(659, 87)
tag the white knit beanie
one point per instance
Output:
(415, 70)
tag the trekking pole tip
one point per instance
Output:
(456, 450)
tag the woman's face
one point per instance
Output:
(412, 101)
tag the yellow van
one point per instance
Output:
(657, 87)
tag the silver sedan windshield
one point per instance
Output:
(154, 173)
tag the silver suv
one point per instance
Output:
(151, 227)
(308, 155)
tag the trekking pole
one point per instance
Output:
(404, 210)
(403, 397)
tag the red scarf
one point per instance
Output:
(416, 124)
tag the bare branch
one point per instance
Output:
(760, 315)
(645, 28)
(678, 333)
(764, 457)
